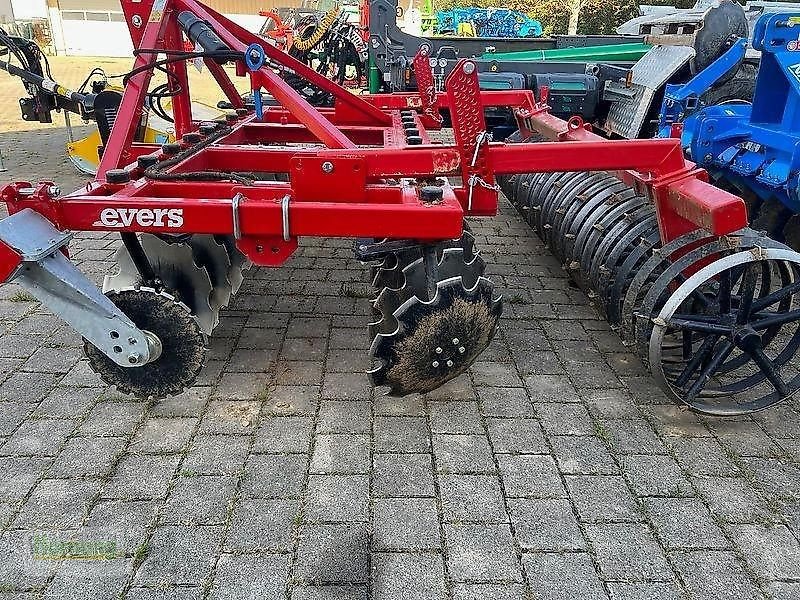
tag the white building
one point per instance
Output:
(97, 27)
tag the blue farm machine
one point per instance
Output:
(750, 147)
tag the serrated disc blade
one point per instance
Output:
(127, 275)
(213, 256)
(238, 261)
(175, 266)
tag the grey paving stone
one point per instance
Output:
(283, 434)
(563, 576)
(674, 421)
(303, 348)
(632, 436)
(546, 388)
(114, 417)
(516, 436)
(336, 498)
(216, 455)
(349, 386)
(419, 576)
(200, 500)
(545, 525)
(772, 552)
(292, 400)
(87, 456)
(88, 579)
(230, 417)
(602, 498)
(121, 522)
(610, 404)
(67, 403)
(583, 455)
(472, 498)
(489, 591)
(299, 372)
(745, 438)
(163, 435)
(782, 421)
(52, 360)
(330, 592)
(733, 499)
(342, 416)
(263, 525)
(655, 475)
(714, 574)
(401, 434)
(775, 478)
(57, 504)
(274, 476)
(530, 475)
(785, 591)
(141, 477)
(504, 402)
(405, 524)
(190, 403)
(684, 523)
(459, 388)
(39, 437)
(333, 554)
(402, 475)
(703, 456)
(652, 590)
(564, 419)
(455, 417)
(19, 569)
(457, 453)
(12, 414)
(495, 374)
(250, 577)
(408, 406)
(477, 552)
(341, 453)
(27, 387)
(628, 552)
(179, 555)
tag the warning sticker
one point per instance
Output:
(795, 70)
(158, 11)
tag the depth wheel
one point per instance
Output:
(182, 343)
(742, 337)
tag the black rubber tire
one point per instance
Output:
(739, 87)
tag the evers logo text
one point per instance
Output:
(143, 217)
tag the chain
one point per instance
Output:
(483, 137)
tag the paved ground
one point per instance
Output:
(553, 470)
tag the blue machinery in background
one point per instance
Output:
(753, 147)
(488, 22)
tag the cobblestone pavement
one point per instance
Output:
(554, 470)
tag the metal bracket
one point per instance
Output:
(48, 274)
(285, 217)
(237, 226)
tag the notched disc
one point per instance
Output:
(438, 340)
(182, 341)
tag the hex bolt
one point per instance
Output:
(134, 358)
(327, 167)
(449, 363)
(435, 364)
(54, 191)
(461, 349)
(438, 350)
(132, 341)
(469, 68)
(455, 341)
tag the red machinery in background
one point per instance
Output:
(193, 214)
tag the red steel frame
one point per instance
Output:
(350, 170)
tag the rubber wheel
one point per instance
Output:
(739, 87)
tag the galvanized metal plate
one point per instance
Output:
(626, 117)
